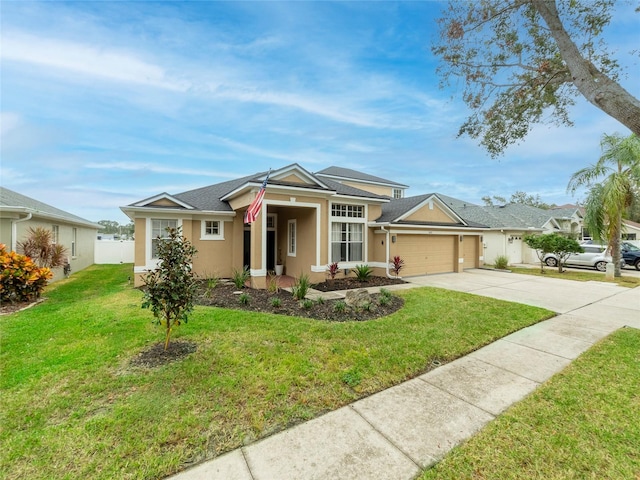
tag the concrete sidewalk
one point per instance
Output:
(398, 432)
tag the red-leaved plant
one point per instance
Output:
(332, 269)
(397, 264)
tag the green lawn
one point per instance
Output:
(579, 275)
(72, 407)
(582, 424)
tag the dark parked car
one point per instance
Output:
(630, 254)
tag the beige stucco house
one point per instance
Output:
(19, 213)
(309, 220)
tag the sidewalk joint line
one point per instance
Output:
(389, 441)
(246, 462)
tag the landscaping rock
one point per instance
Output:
(357, 298)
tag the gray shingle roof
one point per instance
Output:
(9, 198)
(209, 198)
(347, 173)
(398, 207)
(511, 216)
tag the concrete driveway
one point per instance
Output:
(558, 295)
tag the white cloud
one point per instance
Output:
(89, 60)
(9, 121)
(157, 168)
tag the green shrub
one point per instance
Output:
(306, 303)
(21, 279)
(276, 302)
(363, 272)
(320, 300)
(384, 300)
(244, 298)
(340, 306)
(212, 282)
(301, 287)
(501, 262)
(385, 293)
(240, 277)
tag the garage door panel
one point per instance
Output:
(424, 254)
(470, 252)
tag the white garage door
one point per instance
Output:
(425, 254)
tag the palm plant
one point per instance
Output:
(612, 181)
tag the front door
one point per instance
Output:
(246, 257)
(271, 250)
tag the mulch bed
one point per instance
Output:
(156, 355)
(226, 295)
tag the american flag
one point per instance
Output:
(254, 209)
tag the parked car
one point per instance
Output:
(630, 254)
(593, 256)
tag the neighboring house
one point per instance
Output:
(631, 232)
(18, 213)
(308, 221)
(508, 224)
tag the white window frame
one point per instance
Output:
(55, 234)
(209, 236)
(348, 214)
(292, 237)
(152, 237)
(396, 193)
(74, 242)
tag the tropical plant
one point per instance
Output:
(523, 62)
(613, 181)
(300, 287)
(240, 277)
(21, 280)
(171, 288)
(40, 247)
(397, 264)
(212, 282)
(332, 270)
(501, 262)
(363, 272)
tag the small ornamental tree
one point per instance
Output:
(542, 246)
(559, 245)
(171, 288)
(40, 247)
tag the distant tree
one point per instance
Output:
(110, 226)
(518, 197)
(524, 199)
(39, 246)
(525, 61)
(613, 182)
(491, 201)
(171, 288)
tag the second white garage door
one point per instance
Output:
(425, 254)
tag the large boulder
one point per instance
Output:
(357, 298)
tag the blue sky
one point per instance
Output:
(107, 103)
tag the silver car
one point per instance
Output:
(593, 256)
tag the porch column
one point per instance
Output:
(258, 230)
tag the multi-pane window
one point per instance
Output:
(159, 229)
(55, 233)
(350, 211)
(74, 242)
(397, 193)
(212, 227)
(291, 238)
(347, 242)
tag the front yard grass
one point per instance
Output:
(73, 407)
(578, 275)
(582, 424)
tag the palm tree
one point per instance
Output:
(612, 181)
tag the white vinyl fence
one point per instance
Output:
(114, 251)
